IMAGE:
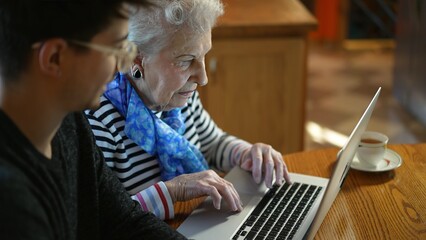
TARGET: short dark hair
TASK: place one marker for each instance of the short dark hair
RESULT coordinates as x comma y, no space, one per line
24,22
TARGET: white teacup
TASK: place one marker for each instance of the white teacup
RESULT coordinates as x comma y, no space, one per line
372,148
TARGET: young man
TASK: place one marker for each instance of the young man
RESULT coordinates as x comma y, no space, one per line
55,58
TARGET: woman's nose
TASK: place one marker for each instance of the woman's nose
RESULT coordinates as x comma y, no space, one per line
200,76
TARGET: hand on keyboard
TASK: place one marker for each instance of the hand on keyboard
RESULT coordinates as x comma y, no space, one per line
189,186
262,159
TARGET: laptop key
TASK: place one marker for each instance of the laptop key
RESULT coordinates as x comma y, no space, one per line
250,235
280,212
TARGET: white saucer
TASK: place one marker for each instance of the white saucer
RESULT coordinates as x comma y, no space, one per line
391,161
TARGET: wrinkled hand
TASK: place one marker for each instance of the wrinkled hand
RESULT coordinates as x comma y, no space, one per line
189,186
263,159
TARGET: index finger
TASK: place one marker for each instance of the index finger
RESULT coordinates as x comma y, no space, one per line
256,155
279,169
229,194
286,173
284,170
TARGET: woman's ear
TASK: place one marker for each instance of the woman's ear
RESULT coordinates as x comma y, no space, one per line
51,56
138,68
136,72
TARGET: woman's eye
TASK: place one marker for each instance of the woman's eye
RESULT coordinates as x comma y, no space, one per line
184,64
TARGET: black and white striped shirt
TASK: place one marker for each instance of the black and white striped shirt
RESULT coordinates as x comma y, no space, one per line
139,171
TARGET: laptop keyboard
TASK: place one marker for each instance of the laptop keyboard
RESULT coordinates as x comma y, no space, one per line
280,212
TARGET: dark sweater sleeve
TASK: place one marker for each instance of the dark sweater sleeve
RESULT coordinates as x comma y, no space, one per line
120,217
123,218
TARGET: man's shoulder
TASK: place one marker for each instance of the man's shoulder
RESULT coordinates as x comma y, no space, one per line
16,157
9,172
22,211
13,179
74,124
74,118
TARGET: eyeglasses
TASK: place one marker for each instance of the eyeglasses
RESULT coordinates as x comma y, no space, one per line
124,55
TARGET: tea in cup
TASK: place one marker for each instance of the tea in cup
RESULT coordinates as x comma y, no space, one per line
372,148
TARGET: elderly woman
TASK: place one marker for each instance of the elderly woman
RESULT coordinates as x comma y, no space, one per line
151,126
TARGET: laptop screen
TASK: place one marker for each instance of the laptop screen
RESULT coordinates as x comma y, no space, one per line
342,166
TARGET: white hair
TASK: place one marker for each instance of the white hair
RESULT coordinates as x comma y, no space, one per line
151,29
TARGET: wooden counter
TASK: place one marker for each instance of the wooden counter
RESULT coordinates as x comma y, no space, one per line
257,72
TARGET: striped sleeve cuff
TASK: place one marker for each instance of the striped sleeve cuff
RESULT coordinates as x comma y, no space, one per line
236,151
157,200
232,152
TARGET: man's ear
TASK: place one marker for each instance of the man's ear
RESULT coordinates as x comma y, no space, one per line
51,56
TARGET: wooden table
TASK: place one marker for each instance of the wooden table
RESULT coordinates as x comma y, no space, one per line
387,205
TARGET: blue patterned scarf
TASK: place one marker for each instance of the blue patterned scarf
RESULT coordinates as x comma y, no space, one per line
159,137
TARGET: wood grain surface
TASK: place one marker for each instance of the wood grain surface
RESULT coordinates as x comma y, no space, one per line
384,205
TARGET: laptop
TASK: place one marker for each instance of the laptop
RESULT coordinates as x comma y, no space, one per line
293,211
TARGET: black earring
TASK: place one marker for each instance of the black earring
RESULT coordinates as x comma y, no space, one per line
137,74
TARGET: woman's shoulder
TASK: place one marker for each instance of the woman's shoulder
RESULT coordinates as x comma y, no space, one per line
105,108
105,112
194,103
106,116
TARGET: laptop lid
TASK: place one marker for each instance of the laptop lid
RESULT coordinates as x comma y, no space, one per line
205,222
343,163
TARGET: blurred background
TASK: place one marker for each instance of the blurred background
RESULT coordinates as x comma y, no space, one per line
358,46
298,74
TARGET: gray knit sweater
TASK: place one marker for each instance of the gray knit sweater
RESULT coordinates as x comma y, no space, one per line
72,196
